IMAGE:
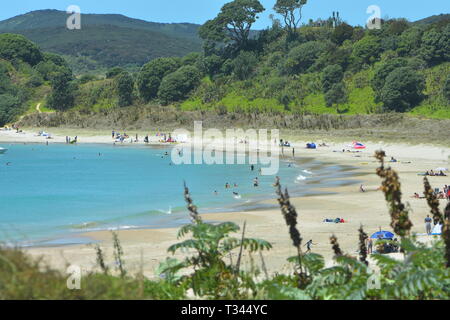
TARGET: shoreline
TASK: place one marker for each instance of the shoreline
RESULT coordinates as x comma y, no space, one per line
145,248
263,202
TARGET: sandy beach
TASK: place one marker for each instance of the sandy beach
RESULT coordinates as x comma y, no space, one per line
145,249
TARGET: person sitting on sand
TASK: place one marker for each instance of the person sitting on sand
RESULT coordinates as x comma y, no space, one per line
393,159
416,195
442,174
362,189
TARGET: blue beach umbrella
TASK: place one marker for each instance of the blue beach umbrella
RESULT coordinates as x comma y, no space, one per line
386,235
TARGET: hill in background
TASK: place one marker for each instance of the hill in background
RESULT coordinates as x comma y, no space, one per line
105,40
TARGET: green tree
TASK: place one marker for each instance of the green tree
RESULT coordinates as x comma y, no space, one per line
446,89
114,72
9,108
63,93
291,11
331,75
177,85
233,23
17,47
125,87
336,94
211,64
435,46
395,26
367,50
191,59
6,86
56,59
302,57
48,68
341,33
244,65
402,90
151,75
382,71
409,42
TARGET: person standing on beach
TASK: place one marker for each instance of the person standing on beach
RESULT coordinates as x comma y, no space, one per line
369,245
293,153
113,134
428,224
308,246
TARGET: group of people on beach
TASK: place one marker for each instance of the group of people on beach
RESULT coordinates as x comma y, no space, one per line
435,174
70,141
440,194
430,223
162,137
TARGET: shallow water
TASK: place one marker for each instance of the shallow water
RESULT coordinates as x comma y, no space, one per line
50,194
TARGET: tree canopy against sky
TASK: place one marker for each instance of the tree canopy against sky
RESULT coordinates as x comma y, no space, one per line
291,11
233,23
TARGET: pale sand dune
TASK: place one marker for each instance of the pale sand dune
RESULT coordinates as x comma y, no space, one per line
146,248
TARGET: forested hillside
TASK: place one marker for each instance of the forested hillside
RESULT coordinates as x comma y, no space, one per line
105,40
294,67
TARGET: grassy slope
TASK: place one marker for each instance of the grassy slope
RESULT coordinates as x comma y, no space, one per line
361,97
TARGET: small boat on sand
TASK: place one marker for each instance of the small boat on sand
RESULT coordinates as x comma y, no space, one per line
3,150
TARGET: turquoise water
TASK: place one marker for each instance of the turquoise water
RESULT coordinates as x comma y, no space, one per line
50,194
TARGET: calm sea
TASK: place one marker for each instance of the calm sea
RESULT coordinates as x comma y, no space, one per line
51,194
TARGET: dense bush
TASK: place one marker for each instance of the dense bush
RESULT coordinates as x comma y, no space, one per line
177,85
331,75
446,89
402,90
8,108
151,75
336,94
17,47
63,93
125,87
302,57
435,46
244,65
367,50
